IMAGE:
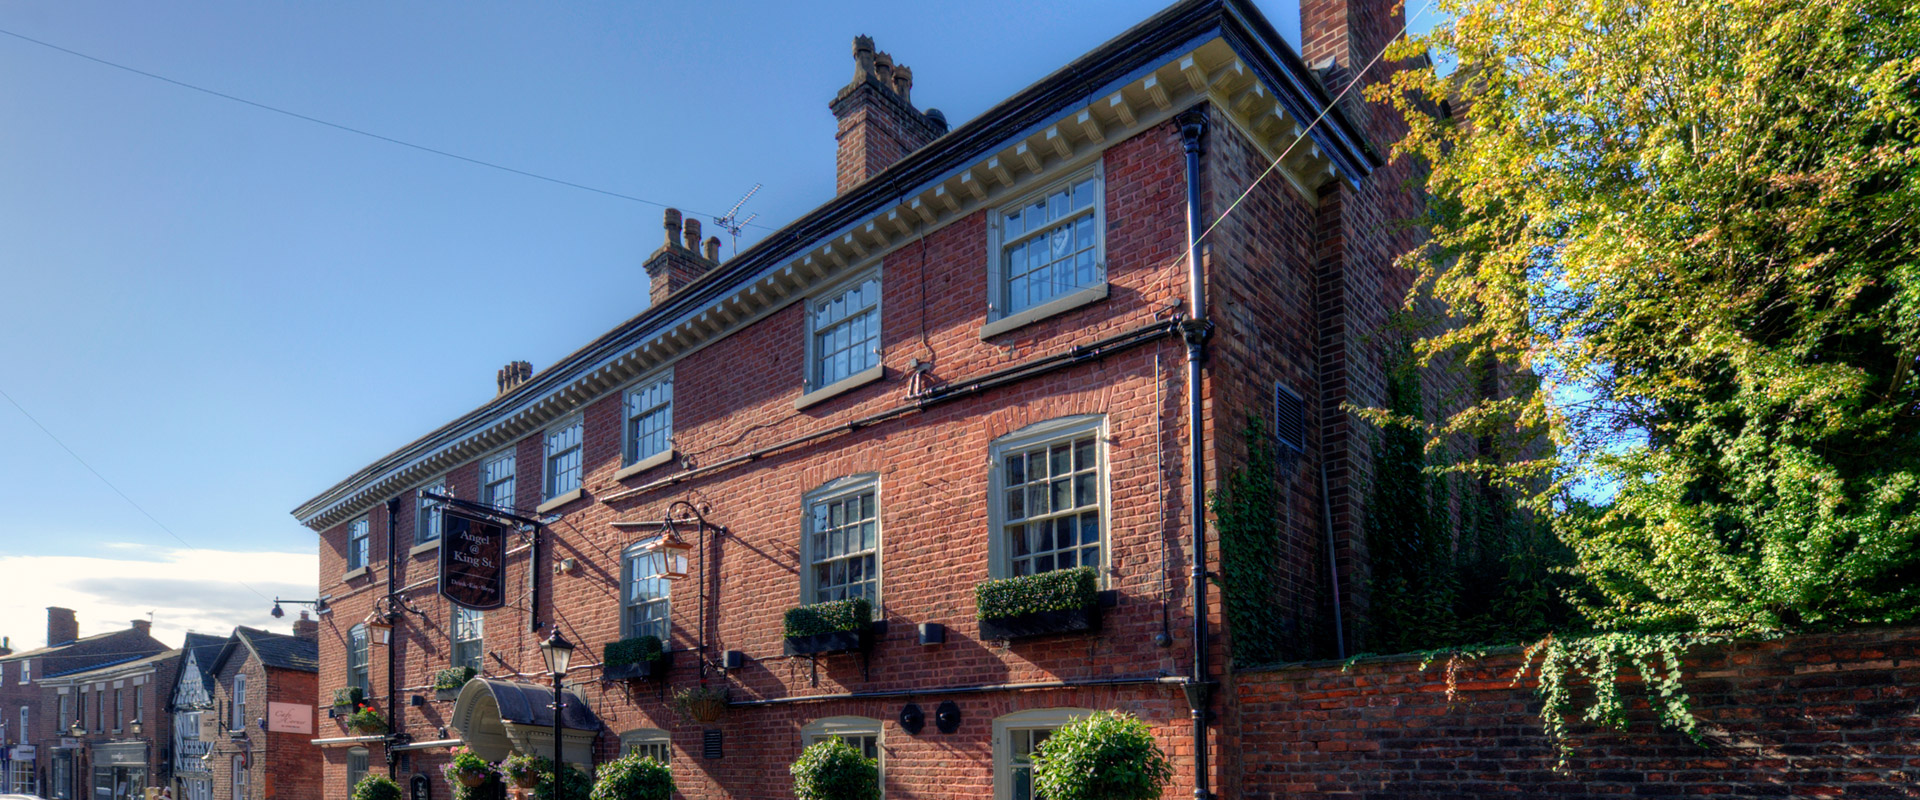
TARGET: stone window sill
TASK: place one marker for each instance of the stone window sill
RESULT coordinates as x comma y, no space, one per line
423,548
558,501
643,465
840,387
355,573
1058,305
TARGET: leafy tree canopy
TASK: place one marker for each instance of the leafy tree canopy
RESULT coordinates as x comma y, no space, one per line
1694,225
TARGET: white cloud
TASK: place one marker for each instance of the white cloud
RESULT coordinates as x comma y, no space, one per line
209,591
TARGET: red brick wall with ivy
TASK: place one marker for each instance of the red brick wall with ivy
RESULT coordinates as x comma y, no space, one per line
1829,715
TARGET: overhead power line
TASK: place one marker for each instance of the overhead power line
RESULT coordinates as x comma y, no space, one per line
347,128
116,490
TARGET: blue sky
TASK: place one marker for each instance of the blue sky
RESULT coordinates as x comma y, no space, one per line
226,310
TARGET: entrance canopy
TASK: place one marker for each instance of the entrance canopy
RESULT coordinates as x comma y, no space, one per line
499,718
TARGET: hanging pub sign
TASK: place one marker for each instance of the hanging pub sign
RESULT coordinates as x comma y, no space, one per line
473,560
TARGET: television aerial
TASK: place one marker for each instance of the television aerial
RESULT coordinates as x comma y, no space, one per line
732,221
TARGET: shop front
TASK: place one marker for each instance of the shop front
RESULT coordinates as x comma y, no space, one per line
119,771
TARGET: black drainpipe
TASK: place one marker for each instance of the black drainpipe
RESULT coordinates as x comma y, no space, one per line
1195,329
393,641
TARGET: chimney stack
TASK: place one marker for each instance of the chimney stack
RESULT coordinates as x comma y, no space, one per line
878,124
1338,37
144,626
6,648
306,628
62,626
679,261
512,375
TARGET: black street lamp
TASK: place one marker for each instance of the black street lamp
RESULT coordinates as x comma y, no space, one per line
559,653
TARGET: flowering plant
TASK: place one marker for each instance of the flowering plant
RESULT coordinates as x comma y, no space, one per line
468,766
366,720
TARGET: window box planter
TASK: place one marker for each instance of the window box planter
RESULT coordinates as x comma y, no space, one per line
448,682
840,626
1051,603
346,699
639,658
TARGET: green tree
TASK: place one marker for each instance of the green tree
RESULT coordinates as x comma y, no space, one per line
376,787
1105,756
1694,224
831,769
633,777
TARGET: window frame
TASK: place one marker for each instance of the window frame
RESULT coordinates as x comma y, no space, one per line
627,607
238,713
812,388
426,514
119,710
26,671
833,491
836,727
454,642
579,448
363,754
509,456
999,561
359,543
632,461
999,318
1033,719
647,737
242,780
360,674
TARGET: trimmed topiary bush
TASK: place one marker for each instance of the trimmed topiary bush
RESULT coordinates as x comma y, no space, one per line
376,787
1059,590
831,769
633,777
1106,756
854,614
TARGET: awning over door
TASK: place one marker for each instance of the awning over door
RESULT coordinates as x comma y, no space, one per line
499,718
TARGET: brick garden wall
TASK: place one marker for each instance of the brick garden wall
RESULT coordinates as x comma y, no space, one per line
1832,715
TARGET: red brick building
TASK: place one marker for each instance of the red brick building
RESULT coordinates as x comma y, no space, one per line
991,355
83,713
263,714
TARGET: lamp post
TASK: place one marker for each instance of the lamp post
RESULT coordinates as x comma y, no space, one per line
559,653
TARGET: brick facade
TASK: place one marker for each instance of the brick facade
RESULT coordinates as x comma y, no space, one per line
1825,715
748,449
280,765
71,664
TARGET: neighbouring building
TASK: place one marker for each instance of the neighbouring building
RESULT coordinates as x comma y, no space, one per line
192,703
114,750
997,352
39,702
262,716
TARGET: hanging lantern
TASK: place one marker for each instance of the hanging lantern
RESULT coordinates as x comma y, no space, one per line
667,557
379,628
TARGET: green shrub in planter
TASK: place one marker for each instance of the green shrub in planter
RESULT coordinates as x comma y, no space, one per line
1107,756
831,769
376,787
452,677
633,651
633,777
1059,590
576,784
855,614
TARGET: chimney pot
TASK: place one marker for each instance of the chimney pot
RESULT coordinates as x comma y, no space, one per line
713,249
693,235
306,628
673,226
877,123
512,375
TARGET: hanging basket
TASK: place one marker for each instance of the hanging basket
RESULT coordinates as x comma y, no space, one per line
472,779
527,781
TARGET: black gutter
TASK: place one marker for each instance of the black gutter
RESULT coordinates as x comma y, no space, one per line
1092,351
1179,24
983,688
